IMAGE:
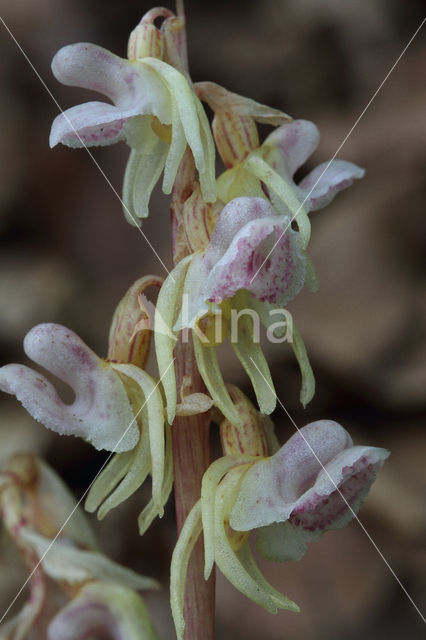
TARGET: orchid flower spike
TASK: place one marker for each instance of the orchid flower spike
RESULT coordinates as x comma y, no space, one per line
118,407
154,109
252,267
63,552
315,482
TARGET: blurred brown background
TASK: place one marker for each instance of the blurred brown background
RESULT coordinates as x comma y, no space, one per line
67,256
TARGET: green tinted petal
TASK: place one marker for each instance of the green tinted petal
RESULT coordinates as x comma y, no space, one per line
227,559
151,510
108,479
143,170
167,308
284,191
152,419
246,558
179,566
208,367
108,607
307,391
250,354
211,480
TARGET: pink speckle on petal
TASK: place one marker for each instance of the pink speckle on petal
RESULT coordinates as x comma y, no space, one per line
264,257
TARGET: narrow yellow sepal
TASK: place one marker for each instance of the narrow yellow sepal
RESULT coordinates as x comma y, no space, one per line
208,367
226,558
179,565
152,408
307,390
108,479
211,480
258,167
249,352
167,308
150,511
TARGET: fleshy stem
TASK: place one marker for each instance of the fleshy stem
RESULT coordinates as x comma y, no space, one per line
191,458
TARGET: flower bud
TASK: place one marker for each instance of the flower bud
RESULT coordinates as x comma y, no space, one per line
145,41
250,437
199,219
131,327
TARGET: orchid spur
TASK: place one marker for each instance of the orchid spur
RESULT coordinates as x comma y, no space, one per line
63,552
290,495
117,407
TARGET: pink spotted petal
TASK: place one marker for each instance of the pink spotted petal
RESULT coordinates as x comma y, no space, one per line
298,483
89,66
252,248
324,182
132,86
324,506
90,124
103,610
289,146
233,217
339,489
101,411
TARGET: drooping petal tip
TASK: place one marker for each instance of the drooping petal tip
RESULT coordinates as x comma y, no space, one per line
252,248
316,481
101,412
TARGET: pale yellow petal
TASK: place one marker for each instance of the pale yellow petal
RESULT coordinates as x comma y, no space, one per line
167,308
256,165
237,182
249,352
307,390
152,403
137,473
176,150
208,367
208,175
143,169
311,278
246,558
151,511
211,480
186,109
108,479
227,559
